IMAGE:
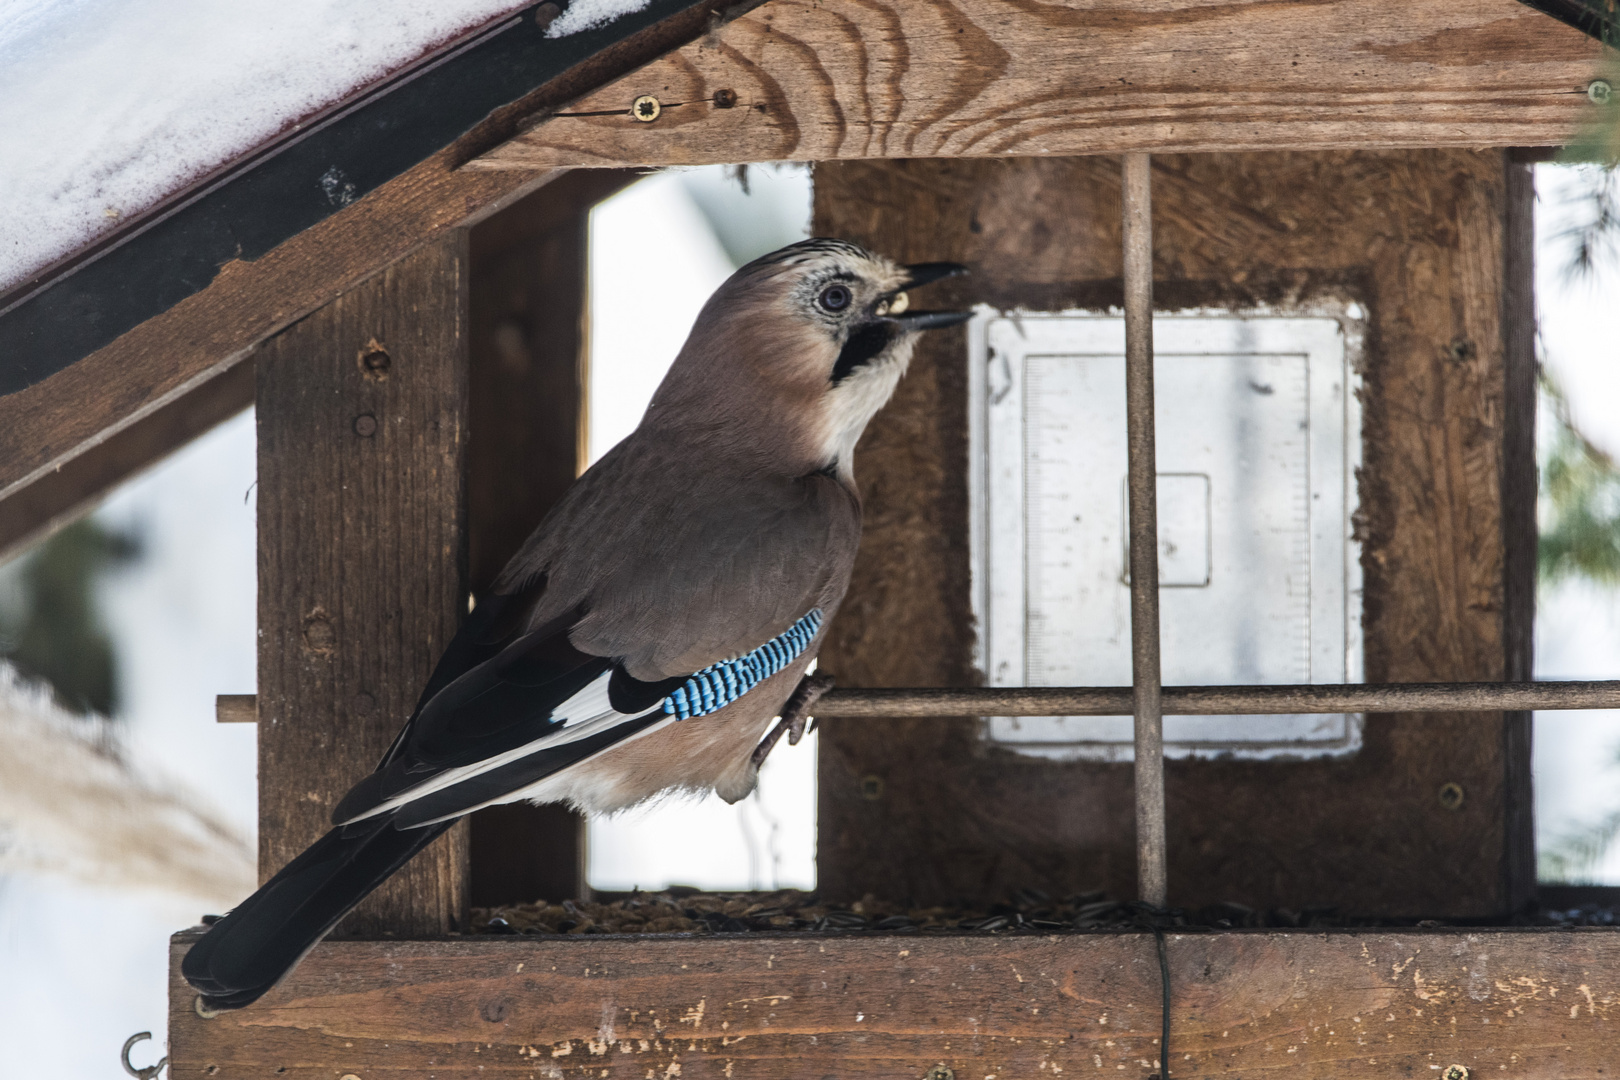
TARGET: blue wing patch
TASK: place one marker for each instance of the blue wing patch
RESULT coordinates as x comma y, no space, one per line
718,685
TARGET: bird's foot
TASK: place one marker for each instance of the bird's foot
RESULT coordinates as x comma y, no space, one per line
795,714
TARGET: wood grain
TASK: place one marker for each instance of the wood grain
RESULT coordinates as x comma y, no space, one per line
1345,1005
362,443
1417,238
818,80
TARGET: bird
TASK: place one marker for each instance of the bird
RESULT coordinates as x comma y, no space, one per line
658,619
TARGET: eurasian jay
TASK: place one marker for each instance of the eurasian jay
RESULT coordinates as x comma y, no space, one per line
659,618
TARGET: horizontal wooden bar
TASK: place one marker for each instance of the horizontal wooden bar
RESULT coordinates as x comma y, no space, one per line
236,708
1532,1004
816,80
1224,700
1184,700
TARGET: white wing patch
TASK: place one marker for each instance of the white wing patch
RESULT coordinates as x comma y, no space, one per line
586,713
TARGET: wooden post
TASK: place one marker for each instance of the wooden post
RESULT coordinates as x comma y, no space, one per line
527,402
362,442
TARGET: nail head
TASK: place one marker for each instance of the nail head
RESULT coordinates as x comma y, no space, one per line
1599,92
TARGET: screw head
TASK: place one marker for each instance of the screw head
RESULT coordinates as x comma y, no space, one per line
725,99
365,425
1455,1072
646,108
200,1007
940,1072
546,14
1599,92
1452,796
871,787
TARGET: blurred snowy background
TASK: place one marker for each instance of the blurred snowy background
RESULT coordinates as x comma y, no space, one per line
160,587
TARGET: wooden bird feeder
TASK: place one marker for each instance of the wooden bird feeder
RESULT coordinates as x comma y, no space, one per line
398,343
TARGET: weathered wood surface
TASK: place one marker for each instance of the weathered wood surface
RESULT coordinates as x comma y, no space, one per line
525,447
1527,1004
170,355
362,560
823,79
75,486
1415,237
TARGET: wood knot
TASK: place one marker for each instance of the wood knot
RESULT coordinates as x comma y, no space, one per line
320,638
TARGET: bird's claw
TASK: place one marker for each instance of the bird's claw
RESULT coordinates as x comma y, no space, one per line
795,714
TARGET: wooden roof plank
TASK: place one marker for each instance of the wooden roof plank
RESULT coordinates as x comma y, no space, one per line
63,405
827,79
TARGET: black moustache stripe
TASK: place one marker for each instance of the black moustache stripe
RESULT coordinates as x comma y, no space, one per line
863,345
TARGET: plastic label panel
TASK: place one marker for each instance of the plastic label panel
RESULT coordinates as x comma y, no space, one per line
1258,437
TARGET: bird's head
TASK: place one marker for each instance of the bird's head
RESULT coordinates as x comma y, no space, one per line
805,344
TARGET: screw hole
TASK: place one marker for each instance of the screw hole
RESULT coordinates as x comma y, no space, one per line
872,788
1452,797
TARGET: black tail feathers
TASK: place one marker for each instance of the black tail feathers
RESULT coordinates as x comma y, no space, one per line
248,951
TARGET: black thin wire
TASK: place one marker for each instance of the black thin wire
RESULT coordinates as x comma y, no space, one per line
1151,918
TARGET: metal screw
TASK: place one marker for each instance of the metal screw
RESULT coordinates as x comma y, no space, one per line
201,1008
1451,798
1599,92
646,108
1454,1072
872,787
940,1072
365,425
725,99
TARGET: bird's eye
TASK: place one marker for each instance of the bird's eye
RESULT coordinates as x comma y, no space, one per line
835,298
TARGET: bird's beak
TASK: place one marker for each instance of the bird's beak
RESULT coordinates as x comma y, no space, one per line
931,320
920,274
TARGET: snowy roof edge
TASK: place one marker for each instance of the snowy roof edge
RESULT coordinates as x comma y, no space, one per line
278,190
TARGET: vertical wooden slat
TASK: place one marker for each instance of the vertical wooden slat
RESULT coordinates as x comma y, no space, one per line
362,442
1519,519
526,403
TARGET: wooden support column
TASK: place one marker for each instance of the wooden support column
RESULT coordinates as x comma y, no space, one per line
362,541
527,444
1433,245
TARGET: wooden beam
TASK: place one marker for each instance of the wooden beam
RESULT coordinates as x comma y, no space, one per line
816,80
526,445
1345,1004
77,485
362,557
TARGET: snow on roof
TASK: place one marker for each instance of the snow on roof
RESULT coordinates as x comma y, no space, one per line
108,106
